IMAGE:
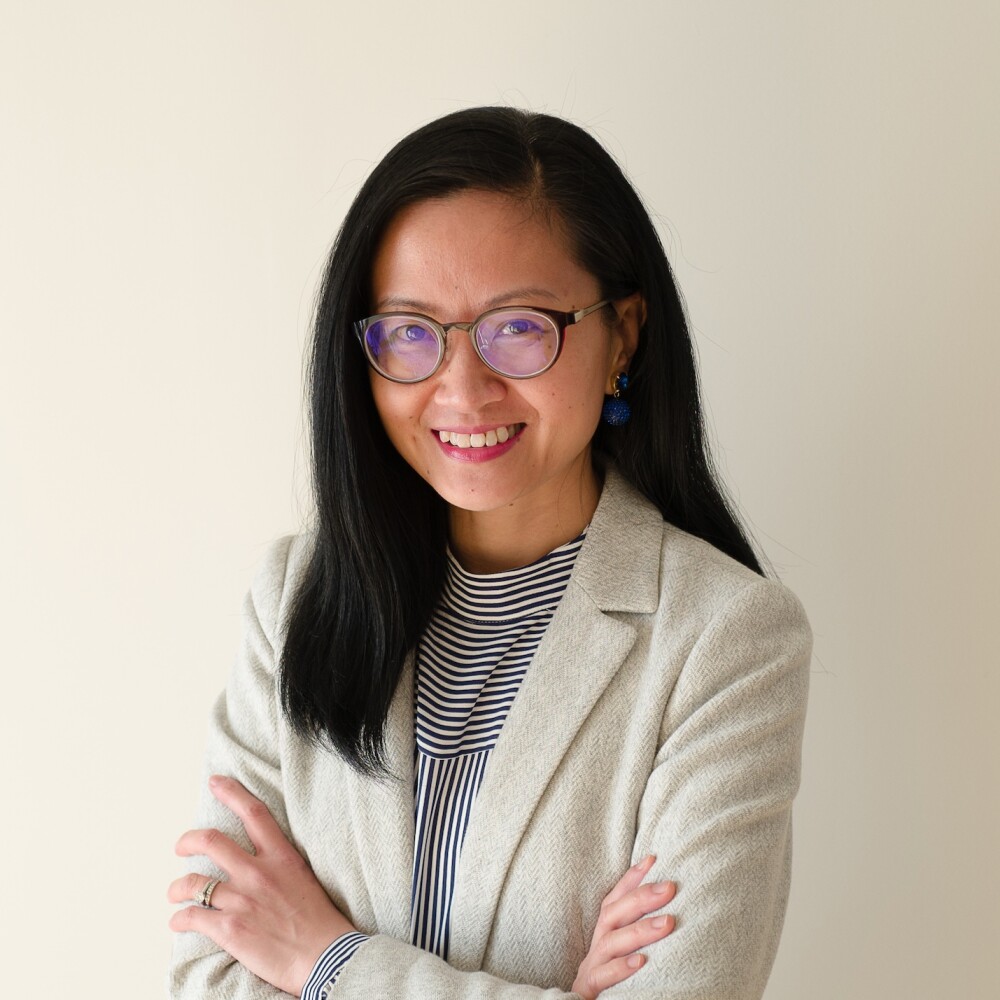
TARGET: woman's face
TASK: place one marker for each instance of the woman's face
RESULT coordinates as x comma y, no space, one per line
452,259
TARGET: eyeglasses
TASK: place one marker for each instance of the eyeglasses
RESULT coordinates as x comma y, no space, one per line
513,341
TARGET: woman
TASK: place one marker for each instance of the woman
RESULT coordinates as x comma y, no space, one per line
527,647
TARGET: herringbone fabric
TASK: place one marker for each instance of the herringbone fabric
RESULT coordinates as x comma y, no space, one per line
662,714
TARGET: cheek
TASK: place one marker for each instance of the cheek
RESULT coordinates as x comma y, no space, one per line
398,408
386,401
582,394
572,411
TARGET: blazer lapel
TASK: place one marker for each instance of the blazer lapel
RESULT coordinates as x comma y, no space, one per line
384,811
617,569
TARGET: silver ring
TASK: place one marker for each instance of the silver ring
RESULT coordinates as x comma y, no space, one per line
204,898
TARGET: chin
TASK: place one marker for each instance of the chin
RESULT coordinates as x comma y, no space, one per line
471,499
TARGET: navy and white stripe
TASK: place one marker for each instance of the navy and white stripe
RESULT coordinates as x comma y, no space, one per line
326,970
470,664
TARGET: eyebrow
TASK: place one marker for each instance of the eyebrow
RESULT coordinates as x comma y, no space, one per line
514,297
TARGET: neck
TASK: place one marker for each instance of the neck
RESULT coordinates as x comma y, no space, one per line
496,540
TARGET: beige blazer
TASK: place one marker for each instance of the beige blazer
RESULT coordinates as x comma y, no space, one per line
662,714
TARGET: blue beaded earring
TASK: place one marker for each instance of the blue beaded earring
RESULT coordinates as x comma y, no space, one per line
616,410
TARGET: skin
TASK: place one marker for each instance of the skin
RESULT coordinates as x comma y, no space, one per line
272,915
453,258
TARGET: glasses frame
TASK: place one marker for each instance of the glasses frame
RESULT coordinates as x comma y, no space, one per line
562,320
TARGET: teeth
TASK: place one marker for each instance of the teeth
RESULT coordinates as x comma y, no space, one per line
487,440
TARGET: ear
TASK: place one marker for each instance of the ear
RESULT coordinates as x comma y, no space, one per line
625,339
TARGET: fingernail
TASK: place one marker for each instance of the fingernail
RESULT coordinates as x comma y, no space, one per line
635,961
660,922
662,887
215,781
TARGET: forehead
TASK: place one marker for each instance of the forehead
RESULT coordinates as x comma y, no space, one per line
473,249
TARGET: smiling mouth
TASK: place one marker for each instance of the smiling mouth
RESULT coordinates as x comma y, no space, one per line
487,439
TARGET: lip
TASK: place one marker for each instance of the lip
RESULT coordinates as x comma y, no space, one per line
484,454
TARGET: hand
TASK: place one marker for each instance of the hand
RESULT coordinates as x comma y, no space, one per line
270,914
620,930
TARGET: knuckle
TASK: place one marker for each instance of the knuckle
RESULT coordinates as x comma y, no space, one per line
290,858
256,810
640,930
264,882
231,926
650,899
258,882
184,919
210,839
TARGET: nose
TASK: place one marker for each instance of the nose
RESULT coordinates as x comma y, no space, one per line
463,382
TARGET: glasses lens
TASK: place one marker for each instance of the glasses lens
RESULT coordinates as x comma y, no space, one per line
518,342
403,347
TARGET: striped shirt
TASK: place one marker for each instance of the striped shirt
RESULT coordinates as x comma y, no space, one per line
470,664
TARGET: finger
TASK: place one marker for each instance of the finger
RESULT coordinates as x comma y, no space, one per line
261,828
196,918
607,974
622,942
214,844
631,878
186,888
635,904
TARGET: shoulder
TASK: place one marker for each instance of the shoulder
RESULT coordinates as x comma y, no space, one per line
742,637
708,630
276,581
696,576
640,563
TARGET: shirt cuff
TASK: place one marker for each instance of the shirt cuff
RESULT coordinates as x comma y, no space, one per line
329,964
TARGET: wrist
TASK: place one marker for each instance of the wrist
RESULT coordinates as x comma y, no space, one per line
329,965
321,939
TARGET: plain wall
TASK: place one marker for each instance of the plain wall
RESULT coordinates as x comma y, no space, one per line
824,176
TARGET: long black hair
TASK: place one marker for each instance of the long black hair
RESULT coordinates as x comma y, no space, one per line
378,560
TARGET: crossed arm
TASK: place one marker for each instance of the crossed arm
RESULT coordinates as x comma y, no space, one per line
272,915
716,810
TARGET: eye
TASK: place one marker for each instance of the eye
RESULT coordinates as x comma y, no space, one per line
408,335
517,327
411,332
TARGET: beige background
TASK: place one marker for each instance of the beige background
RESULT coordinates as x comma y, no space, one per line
825,177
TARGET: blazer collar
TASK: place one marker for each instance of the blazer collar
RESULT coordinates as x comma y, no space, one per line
619,564
617,570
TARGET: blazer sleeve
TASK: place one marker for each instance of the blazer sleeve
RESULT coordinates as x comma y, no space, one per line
716,811
244,743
